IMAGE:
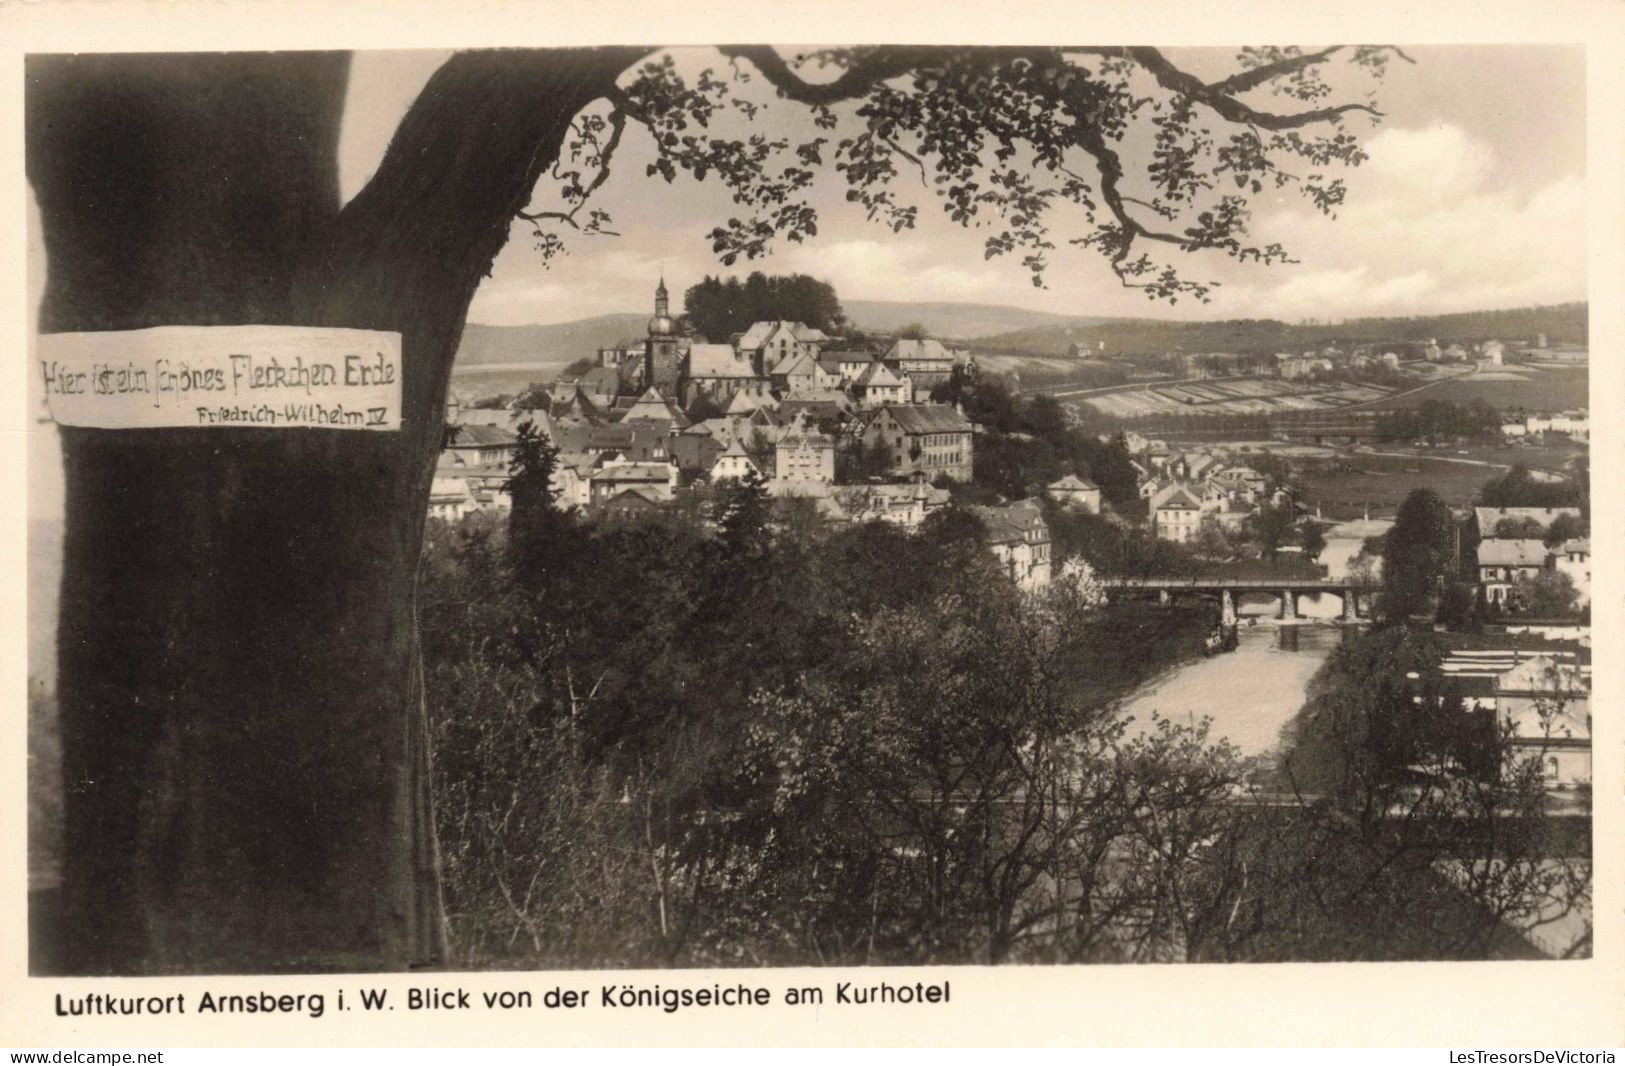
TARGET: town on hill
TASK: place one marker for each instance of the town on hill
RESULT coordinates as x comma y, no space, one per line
1406,521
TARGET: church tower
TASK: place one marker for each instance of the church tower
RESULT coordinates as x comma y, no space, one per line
662,359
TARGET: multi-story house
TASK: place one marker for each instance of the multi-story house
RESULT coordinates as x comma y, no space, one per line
804,454
879,385
1503,562
928,439
928,363
1177,516
767,344
1019,538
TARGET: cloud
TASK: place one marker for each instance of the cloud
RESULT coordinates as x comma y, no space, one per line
1427,227
1432,223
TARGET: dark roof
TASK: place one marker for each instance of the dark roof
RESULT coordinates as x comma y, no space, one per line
1011,523
694,451
637,440
482,436
928,418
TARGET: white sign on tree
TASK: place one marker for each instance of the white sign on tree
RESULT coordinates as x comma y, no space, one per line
260,377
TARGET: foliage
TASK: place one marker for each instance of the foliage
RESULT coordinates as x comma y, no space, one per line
1418,553
1272,528
1517,488
1002,136
1312,538
856,461
1548,594
1428,828
719,309
1436,420
1564,528
1519,529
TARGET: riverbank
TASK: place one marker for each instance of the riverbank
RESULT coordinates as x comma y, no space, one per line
1250,693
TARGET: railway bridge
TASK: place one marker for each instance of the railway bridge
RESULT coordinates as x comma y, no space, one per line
1355,595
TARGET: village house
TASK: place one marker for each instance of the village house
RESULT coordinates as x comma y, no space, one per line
767,344
1248,483
906,506
848,366
1075,492
655,410
795,374
1177,516
1489,519
635,441
879,385
804,454
1019,538
733,462
929,439
654,481
1573,557
481,445
717,371
1503,562
926,362
1547,705
572,479
450,499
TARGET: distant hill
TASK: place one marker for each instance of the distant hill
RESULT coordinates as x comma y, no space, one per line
1017,331
560,343
1562,324
957,321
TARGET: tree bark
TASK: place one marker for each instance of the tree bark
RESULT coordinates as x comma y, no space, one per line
245,758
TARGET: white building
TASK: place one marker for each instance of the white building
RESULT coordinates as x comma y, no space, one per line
1075,492
1177,516
734,462
1548,706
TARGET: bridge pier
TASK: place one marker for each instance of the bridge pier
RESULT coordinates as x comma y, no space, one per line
1227,608
1289,604
1351,605
1163,597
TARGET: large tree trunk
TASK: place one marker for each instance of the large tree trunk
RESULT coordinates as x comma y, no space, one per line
241,700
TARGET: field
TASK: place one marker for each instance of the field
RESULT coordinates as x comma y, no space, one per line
1537,389
1239,396
1348,484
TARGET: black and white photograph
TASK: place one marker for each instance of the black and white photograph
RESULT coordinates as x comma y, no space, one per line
716,507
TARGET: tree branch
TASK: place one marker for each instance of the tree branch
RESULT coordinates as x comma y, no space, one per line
874,67
1252,79
606,152
1228,107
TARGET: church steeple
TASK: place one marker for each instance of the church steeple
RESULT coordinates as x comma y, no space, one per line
661,325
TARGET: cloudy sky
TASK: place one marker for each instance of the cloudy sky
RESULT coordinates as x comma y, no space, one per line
1473,197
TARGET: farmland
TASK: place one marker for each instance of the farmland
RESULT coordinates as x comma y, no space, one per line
1236,396
1537,389
1346,485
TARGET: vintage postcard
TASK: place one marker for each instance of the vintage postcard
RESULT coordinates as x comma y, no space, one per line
772,527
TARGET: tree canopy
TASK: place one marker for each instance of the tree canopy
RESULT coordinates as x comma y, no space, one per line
1418,553
1002,137
719,309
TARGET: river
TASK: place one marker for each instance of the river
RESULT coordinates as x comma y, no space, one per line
1250,693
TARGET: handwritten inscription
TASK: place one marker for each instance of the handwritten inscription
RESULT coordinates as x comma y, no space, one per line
268,377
